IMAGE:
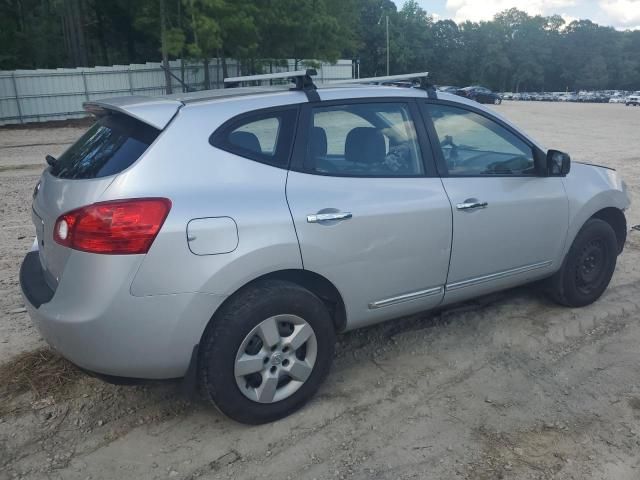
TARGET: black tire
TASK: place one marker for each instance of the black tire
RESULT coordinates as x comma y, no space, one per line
229,327
588,267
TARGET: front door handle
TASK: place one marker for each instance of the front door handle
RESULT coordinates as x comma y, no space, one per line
326,217
471,205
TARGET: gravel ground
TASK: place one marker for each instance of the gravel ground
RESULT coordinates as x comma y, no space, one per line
508,386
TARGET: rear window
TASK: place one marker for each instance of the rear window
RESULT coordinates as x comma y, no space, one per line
112,144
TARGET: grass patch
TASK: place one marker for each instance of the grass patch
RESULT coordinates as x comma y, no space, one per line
42,371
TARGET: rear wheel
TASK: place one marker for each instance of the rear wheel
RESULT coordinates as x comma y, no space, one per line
266,352
497,101
588,267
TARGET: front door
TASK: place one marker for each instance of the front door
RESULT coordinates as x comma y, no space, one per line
368,215
509,223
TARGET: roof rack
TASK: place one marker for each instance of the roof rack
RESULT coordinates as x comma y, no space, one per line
301,78
419,80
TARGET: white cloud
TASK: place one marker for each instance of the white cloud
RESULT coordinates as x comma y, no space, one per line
476,10
623,13
568,18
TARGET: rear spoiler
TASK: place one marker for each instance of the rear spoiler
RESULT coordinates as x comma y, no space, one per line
156,112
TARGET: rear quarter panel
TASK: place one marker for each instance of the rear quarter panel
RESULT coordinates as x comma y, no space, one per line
202,181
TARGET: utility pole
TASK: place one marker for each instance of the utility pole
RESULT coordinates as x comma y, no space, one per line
387,17
165,55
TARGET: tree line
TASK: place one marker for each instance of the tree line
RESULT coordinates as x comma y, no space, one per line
513,52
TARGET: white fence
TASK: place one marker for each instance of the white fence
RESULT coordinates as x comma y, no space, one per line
40,95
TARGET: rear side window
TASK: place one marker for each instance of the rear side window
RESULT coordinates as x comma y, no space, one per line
112,144
263,136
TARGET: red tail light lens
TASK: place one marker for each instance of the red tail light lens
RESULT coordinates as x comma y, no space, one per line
118,227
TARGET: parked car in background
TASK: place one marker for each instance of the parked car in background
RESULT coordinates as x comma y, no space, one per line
633,99
297,214
480,95
570,97
448,89
583,96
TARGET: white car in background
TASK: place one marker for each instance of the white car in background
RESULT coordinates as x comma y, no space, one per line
633,99
618,99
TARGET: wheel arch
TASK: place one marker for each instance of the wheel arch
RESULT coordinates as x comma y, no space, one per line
315,283
614,217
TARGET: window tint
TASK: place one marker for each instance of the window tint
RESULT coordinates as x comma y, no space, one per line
377,139
259,136
112,144
262,136
337,124
475,145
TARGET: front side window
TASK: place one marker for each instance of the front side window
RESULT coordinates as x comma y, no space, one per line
473,145
262,136
369,140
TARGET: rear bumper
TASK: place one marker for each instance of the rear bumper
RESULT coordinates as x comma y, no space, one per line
34,288
93,320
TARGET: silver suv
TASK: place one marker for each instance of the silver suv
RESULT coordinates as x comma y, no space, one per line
227,236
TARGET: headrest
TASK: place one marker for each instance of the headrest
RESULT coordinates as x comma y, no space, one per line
318,143
365,145
246,140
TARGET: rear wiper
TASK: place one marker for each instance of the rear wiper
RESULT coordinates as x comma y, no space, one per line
51,160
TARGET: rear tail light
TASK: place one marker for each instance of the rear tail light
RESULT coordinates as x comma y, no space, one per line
116,227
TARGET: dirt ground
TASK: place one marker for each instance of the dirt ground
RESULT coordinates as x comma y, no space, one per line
509,386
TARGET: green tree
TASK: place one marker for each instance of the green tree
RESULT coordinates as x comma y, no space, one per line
301,29
413,49
514,51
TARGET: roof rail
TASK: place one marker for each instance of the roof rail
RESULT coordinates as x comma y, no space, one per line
419,80
301,78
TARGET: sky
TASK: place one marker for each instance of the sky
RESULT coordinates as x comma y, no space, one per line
621,14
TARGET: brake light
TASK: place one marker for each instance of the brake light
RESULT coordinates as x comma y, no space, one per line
115,227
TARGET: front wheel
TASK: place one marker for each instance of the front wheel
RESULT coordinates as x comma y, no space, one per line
588,266
267,351
497,101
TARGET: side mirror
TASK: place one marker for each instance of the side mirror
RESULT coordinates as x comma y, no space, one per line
558,163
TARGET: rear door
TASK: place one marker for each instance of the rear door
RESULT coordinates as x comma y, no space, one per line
509,222
370,214
80,176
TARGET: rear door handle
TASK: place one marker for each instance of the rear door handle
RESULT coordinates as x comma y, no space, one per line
471,205
326,217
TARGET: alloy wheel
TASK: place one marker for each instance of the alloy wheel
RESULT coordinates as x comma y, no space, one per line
275,358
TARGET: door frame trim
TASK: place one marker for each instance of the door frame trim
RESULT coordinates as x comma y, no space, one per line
497,276
407,297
